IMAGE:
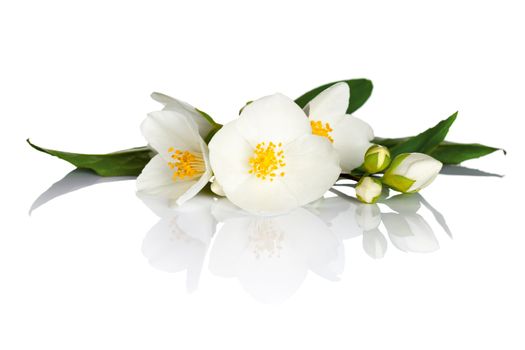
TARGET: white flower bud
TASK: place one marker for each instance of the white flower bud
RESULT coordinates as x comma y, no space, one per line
217,188
410,172
377,159
368,189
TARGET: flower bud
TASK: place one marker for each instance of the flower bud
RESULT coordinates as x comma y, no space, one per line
368,189
410,172
217,188
377,159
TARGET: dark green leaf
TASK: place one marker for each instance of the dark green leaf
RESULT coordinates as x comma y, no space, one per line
427,141
360,91
447,152
128,162
455,153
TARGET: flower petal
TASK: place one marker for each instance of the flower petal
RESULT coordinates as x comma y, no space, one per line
312,167
181,107
263,197
166,129
352,138
330,103
156,179
229,157
203,180
273,118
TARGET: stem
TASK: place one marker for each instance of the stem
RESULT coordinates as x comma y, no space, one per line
350,177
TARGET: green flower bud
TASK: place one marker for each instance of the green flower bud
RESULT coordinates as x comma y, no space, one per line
377,159
368,189
410,172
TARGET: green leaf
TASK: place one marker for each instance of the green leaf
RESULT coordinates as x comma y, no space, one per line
455,153
447,152
427,141
360,91
128,162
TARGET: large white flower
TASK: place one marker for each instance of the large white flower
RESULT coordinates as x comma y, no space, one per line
181,167
350,136
268,161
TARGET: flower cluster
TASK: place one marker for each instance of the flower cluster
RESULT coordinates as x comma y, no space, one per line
274,157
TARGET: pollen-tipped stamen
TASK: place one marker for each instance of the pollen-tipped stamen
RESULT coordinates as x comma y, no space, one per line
321,130
266,160
186,164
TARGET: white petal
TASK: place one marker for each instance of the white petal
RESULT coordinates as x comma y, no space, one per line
312,167
352,138
165,129
202,181
273,118
330,103
229,157
263,197
172,104
195,188
156,179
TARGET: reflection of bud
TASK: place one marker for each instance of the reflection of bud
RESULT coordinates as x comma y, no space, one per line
374,243
410,233
368,189
368,217
410,172
377,159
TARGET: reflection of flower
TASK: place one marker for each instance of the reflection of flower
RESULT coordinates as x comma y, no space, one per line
271,256
339,214
179,241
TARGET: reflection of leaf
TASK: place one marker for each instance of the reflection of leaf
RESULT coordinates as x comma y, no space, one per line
464,171
360,91
437,215
75,180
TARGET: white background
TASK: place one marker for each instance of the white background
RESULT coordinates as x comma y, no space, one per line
77,76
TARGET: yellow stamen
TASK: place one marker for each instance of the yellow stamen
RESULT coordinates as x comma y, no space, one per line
320,130
186,164
266,160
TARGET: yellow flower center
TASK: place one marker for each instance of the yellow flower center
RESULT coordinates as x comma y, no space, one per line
267,161
186,164
320,130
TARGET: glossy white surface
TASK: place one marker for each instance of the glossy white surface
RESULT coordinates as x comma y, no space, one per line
97,268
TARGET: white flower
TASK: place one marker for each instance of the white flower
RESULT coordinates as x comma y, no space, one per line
411,172
181,167
368,189
267,161
350,136
203,121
